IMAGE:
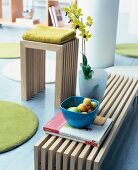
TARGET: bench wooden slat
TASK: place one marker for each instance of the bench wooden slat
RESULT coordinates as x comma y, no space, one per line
110,79
37,151
114,130
59,154
67,153
109,87
82,157
74,156
119,98
52,153
113,97
44,152
91,157
111,92
124,100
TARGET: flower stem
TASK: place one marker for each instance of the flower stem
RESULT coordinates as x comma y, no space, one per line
84,48
82,45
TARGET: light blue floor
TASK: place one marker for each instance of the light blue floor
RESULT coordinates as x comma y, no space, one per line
22,157
123,154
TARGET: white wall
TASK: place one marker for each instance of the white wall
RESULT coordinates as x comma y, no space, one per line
100,48
127,31
124,6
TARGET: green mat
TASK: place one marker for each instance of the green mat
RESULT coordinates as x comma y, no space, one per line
17,125
9,50
130,50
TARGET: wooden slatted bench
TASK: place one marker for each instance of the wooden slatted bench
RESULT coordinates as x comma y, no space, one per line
53,152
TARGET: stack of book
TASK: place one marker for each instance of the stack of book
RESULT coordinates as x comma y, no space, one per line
56,16
92,135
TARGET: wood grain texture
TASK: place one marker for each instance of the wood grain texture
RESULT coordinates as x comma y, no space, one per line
74,156
83,156
44,152
66,155
37,151
52,153
59,154
32,71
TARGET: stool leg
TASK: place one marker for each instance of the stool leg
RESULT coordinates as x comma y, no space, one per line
32,71
66,71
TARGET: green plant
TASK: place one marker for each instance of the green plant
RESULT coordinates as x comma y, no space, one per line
75,18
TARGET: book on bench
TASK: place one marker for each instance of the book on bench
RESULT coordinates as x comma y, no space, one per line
93,134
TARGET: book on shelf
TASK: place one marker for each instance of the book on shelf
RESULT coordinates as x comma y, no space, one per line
57,15
52,17
92,135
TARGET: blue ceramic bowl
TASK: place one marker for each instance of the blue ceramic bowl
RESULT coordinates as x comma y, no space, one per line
76,119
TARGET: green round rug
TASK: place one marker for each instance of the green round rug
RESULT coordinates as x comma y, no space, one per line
130,50
9,50
17,125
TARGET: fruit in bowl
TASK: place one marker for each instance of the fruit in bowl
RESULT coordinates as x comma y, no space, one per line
73,109
79,112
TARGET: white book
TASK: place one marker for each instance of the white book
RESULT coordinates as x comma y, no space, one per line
52,17
93,134
57,16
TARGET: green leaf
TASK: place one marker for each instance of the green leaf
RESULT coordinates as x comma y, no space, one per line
84,59
87,71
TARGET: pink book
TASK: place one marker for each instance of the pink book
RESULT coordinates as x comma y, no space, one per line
93,134
55,124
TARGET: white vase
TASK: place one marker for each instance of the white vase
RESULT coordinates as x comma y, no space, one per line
94,87
100,49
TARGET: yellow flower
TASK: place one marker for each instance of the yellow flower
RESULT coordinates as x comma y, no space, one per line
77,24
85,34
79,12
89,21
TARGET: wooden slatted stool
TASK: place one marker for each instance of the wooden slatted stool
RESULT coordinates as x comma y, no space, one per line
33,66
66,154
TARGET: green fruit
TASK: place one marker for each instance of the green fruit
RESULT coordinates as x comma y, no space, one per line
94,104
74,109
